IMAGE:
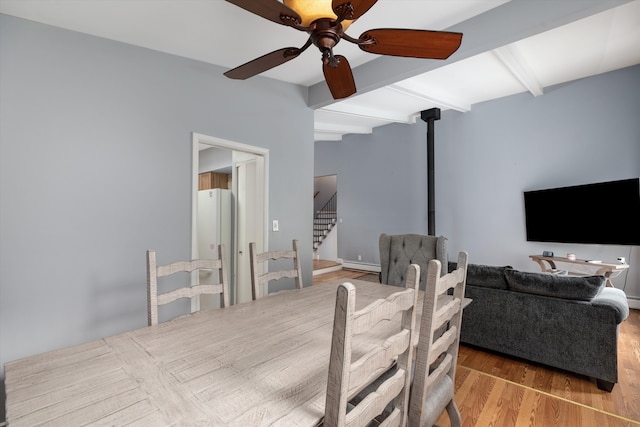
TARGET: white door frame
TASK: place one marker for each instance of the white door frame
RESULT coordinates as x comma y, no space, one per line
198,139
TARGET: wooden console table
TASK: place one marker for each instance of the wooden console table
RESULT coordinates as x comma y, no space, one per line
603,268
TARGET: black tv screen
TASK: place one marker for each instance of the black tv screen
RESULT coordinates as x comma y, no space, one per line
605,213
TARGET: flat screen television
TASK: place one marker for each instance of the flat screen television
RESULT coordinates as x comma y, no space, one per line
605,213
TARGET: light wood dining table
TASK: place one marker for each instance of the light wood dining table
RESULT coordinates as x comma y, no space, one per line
259,363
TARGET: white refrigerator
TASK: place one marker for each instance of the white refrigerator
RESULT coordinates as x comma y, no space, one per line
215,227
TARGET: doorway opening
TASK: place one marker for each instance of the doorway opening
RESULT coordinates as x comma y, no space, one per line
248,167
325,225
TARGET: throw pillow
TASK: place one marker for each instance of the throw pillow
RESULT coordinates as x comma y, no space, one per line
582,288
487,276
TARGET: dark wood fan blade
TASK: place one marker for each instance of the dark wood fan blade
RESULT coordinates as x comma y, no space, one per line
264,63
360,7
340,78
412,43
268,9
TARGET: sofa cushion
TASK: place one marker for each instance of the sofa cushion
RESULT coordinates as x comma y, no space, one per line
582,288
487,276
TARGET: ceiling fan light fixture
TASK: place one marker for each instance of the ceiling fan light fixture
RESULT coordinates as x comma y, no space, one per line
325,21
311,10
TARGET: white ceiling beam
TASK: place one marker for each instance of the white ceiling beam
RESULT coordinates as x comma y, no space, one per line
323,136
340,128
442,103
386,116
511,58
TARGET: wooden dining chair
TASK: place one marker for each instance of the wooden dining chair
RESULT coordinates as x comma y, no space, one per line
201,266
349,377
437,353
260,280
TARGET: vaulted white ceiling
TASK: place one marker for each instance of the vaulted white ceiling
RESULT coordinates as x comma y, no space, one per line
509,46
598,43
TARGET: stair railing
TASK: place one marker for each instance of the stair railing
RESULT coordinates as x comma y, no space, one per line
326,216
330,206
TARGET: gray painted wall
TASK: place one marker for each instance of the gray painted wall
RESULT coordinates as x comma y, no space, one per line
576,133
95,168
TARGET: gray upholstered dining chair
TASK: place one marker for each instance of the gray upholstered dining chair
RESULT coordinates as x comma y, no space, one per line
204,268
260,280
437,353
398,251
385,346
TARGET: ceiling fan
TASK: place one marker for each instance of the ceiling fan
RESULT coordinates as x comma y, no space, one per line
326,22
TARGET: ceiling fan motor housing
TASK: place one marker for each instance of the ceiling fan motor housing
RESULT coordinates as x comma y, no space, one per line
326,33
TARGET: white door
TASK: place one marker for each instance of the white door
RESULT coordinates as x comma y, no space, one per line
249,220
214,228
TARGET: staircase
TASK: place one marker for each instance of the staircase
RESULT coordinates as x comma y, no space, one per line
323,221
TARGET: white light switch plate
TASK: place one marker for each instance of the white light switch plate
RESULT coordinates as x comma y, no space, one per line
275,227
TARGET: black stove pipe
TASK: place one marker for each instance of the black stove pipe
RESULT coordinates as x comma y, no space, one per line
430,116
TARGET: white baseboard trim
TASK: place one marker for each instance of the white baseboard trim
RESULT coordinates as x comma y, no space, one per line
361,266
634,303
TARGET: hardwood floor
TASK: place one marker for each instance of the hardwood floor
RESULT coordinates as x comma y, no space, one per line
319,264
501,391
343,274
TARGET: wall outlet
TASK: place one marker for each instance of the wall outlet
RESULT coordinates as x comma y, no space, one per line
359,257
275,226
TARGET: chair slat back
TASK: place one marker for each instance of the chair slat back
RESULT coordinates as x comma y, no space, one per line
437,352
154,271
260,280
348,377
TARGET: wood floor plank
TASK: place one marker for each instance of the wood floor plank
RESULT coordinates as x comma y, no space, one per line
495,400
512,396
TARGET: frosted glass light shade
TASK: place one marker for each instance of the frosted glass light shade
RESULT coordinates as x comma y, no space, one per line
310,10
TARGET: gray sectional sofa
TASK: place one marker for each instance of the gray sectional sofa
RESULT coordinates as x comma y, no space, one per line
566,322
